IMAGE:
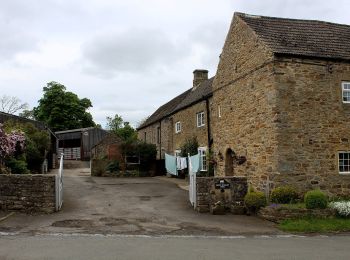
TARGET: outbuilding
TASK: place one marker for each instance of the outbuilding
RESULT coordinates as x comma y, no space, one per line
76,144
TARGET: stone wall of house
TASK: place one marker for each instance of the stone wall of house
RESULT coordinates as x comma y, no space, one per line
165,144
27,193
285,115
231,199
242,53
188,119
245,94
313,124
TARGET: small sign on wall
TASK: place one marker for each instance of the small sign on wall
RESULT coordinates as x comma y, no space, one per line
222,185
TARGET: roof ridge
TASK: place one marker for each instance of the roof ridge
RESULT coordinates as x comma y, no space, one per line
240,14
174,104
306,38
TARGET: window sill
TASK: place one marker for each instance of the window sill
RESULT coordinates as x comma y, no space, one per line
344,173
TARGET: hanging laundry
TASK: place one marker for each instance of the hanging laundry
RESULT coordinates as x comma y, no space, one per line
181,163
194,162
170,164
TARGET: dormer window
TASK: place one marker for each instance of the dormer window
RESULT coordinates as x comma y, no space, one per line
346,92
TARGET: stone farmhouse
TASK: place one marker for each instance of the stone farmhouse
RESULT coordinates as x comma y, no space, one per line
280,100
183,117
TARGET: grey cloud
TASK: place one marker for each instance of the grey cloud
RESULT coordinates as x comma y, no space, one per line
131,51
12,43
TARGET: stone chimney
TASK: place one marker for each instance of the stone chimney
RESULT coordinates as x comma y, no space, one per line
199,76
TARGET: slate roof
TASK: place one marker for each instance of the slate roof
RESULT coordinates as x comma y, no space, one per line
185,99
5,117
197,94
308,38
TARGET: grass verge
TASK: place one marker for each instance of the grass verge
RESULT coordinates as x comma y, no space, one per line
320,225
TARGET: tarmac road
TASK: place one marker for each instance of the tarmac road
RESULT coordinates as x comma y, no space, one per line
143,247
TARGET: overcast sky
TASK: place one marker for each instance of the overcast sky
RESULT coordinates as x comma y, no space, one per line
127,56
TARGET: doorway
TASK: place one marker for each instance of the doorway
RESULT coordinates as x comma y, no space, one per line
230,154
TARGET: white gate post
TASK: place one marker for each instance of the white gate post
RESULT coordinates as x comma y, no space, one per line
192,189
59,185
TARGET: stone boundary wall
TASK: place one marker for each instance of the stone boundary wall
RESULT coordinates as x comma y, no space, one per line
278,214
217,201
27,193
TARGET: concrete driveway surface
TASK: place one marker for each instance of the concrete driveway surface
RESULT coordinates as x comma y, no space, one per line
134,206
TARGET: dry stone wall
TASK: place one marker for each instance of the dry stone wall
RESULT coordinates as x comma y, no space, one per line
231,198
27,193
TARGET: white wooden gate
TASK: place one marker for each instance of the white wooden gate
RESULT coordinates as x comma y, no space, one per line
192,188
59,185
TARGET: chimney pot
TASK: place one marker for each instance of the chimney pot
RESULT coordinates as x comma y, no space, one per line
199,76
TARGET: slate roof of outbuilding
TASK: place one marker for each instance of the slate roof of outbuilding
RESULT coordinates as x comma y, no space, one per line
185,99
6,117
308,38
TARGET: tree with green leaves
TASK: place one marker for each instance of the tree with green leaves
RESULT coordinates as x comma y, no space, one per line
63,110
122,129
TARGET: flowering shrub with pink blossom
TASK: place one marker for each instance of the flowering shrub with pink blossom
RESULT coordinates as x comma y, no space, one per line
10,143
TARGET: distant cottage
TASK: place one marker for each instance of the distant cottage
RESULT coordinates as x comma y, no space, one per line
183,117
280,100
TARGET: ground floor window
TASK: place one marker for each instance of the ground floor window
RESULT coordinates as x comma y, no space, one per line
203,158
177,153
344,162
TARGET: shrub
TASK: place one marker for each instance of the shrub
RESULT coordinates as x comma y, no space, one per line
284,195
341,207
315,199
37,142
190,146
254,201
113,166
17,166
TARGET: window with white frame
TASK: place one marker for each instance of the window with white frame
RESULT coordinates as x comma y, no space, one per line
200,119
345,92
177,153
178,127
202,158
344,162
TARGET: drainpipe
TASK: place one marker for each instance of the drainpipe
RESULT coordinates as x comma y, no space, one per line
208,121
